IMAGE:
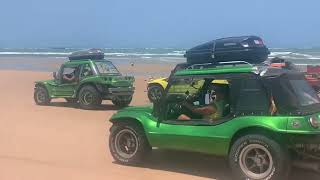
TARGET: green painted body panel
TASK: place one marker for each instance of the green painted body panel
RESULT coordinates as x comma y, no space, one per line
304,125
70,90
78,62
217,70
214,139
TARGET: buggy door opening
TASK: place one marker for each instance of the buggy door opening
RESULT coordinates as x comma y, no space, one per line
203,100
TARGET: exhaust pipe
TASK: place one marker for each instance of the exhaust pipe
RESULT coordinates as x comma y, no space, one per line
308,165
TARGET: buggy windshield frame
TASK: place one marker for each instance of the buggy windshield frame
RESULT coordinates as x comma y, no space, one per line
106,67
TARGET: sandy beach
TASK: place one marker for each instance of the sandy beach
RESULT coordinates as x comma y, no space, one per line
62,142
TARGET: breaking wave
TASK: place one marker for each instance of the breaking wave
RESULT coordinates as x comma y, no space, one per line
294,55
299,56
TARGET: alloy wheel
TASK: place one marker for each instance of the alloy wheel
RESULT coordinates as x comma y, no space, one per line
87,98
256,161
126,143
155,93
41,96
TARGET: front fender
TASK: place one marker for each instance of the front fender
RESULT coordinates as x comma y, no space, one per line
142,117
270,123
163,82
145,119
47,84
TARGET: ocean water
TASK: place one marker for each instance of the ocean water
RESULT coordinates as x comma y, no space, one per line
143,55
165,55
40,57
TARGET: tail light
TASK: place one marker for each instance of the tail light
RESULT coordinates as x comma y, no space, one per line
314,122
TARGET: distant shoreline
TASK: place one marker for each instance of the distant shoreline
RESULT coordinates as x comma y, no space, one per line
49,59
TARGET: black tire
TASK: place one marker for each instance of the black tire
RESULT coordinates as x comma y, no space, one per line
155,92
258,157
121,152
71,100
41,96
89,97
122,102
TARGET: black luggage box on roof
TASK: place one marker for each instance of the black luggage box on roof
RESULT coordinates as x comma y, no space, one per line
243,48
93,54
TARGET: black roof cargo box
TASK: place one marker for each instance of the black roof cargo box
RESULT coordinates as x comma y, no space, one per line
93,54
243,48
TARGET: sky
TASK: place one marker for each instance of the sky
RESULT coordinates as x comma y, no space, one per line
156,23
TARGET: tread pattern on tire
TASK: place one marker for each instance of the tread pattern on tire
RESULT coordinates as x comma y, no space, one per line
96,94
154,86
122,103
143,144
280,156
41,88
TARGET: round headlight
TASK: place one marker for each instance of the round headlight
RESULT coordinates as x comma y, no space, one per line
314,122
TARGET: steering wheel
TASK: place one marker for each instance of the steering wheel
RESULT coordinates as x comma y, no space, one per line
178,108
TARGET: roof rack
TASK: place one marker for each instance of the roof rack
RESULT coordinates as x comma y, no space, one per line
213,65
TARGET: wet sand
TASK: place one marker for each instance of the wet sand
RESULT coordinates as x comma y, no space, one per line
62,142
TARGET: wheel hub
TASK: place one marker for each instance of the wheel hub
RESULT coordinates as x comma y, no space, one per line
87,98
126,143
155,93
256,161
41,96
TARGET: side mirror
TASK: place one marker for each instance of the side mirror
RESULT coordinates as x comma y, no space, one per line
54,74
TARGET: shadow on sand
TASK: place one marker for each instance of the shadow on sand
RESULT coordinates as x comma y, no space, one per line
102,107
203,165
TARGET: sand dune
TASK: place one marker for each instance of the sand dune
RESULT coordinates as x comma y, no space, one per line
63,142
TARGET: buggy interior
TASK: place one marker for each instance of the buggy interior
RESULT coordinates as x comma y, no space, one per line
198,92
70,74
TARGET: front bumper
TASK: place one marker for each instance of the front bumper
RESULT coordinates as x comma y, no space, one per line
306,146
119,92
306,149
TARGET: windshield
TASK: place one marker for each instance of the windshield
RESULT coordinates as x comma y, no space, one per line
106,67
304,92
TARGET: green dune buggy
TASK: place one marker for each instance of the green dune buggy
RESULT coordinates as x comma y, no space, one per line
86,79
271,121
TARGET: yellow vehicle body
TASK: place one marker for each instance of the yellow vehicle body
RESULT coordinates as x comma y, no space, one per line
156,87
163,82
